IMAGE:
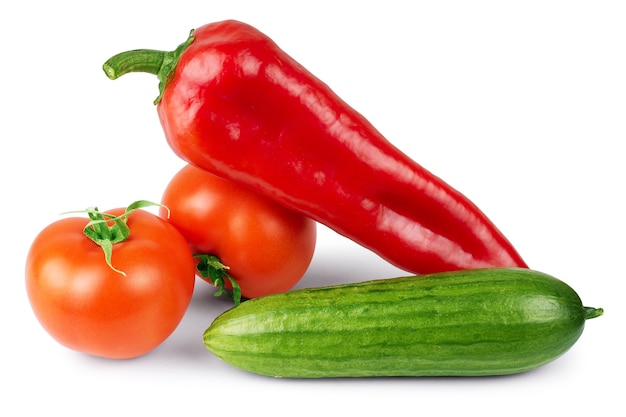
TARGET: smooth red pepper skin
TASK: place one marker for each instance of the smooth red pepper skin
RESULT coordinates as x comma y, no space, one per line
240,107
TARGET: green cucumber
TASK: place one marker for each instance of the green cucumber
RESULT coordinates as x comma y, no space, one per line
461,323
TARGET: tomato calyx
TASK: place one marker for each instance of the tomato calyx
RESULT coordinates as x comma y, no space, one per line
210,267
105,229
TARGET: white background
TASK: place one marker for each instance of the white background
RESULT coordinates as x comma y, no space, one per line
520,105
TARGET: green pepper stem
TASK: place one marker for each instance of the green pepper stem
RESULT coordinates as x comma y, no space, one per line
138,60
159,63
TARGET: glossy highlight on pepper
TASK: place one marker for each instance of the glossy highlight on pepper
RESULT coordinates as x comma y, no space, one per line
233,103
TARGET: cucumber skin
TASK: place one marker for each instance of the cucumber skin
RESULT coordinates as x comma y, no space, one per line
462,323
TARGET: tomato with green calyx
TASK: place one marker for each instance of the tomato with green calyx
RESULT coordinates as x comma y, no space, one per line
114,286
238,235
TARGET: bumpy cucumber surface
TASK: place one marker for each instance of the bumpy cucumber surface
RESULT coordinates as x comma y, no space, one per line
462,323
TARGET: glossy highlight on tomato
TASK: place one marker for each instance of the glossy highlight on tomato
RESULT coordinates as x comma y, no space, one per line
120,311
267,247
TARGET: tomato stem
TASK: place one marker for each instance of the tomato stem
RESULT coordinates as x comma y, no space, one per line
105,230
159,63
210,267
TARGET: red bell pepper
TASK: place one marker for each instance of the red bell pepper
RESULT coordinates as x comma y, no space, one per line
233,103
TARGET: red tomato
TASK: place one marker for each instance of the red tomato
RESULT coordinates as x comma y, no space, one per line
267,247
87,306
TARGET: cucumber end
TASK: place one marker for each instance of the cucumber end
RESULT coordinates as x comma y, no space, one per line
592,313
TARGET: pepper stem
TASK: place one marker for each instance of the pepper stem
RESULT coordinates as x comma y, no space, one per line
159,63
138,60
